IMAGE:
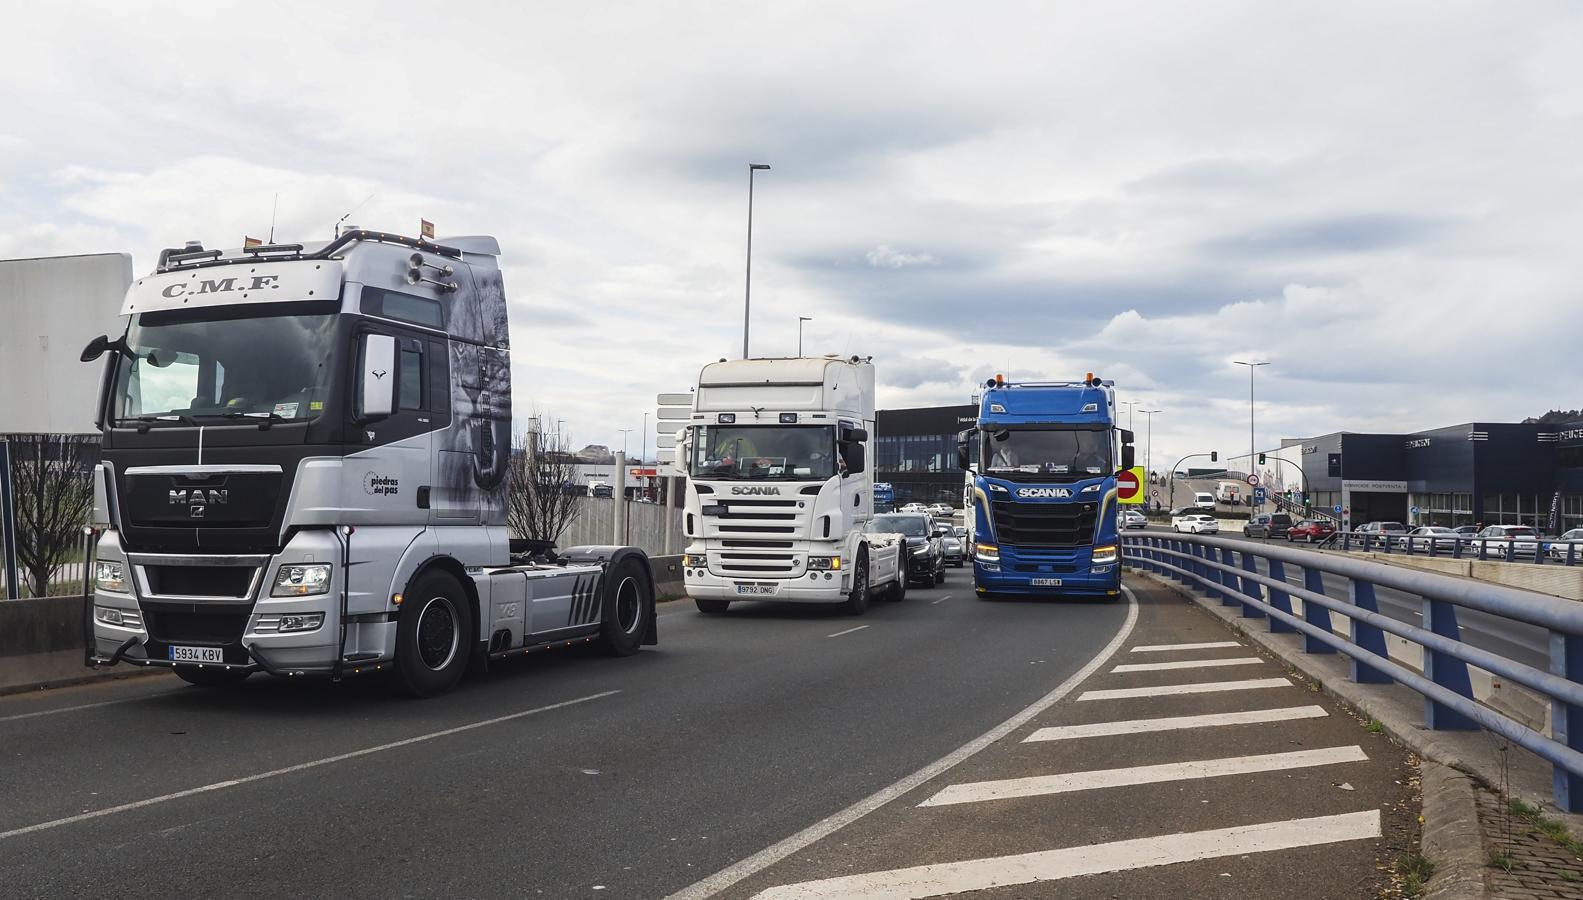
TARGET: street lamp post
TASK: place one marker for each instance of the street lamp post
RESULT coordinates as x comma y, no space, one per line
1253,447
645,453
1148,447
624,433
800,320
1129,404
747,291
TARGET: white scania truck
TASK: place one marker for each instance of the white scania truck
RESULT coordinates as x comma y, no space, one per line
304,472
780,486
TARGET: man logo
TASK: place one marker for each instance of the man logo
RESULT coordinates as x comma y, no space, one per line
198,500
1044,493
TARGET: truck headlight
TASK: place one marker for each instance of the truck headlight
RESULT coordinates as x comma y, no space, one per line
1104,554
824,563
110,576
1092,489
301,581
987,552
690,560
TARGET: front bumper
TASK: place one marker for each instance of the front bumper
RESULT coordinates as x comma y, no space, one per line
812,587
1016,570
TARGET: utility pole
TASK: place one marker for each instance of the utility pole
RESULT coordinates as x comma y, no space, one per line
1148,448
747,292
1253,447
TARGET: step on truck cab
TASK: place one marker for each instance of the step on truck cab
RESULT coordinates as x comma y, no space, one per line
304,472
1043,494
780,486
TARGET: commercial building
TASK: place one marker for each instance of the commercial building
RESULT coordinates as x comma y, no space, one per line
1479,472
915,450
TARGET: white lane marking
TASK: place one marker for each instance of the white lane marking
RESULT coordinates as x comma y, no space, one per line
774,853
1072,862
1186,664
1197,687
82,706
1175,723
941,600
312,764
1158,648
1041,785
848,631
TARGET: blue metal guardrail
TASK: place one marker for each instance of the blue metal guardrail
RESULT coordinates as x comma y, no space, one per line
1536,550
1228,569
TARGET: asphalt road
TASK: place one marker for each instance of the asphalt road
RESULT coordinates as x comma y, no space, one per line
560,776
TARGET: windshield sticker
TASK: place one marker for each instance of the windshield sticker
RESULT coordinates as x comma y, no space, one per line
315,405
286,410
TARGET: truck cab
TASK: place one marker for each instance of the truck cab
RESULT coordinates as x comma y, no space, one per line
1043,507
304,472
780,486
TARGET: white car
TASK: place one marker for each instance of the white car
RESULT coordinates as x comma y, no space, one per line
914,508
1508,541
1196,523
942,511
1131,518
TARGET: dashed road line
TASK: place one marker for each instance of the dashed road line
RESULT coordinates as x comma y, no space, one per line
81,706
941,600
1197,687
1096,859
1186,664
1160,648
1094,779
1175,723
312,764
848,631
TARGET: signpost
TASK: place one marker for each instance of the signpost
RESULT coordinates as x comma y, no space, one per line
1129,486
674,411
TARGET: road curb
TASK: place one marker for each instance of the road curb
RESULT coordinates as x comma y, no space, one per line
1450,807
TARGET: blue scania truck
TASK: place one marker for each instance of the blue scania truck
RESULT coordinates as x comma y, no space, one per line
1042,496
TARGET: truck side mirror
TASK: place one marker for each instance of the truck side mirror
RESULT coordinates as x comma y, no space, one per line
95,348
1126,436
963,457
852,453
377,378
1129,457
855,434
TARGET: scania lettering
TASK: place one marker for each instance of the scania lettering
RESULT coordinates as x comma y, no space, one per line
304,473
779,488
1042,504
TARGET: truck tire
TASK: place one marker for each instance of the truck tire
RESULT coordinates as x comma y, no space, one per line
712,607
434,636
212,678
939,574
898,588
857,600
625,610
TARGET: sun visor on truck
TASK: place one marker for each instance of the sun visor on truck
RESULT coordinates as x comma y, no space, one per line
247,282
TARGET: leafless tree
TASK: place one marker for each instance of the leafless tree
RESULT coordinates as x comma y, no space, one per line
544,489
53,489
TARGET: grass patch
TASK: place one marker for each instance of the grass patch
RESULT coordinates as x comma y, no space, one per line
1499,860
1374,726
1550,828
1415,869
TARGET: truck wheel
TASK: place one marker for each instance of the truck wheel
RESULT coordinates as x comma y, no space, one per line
212,678
712,607
433,636
898,588
939,574
625,610
857,601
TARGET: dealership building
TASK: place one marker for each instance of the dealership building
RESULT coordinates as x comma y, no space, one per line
1480,472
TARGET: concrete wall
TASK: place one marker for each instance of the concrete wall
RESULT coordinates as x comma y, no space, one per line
41,642
594,523
1556,580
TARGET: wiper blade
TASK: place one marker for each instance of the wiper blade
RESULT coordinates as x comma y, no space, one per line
269,418
144,423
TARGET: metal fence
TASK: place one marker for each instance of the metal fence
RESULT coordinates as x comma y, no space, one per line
1539,551
65,578
1228,570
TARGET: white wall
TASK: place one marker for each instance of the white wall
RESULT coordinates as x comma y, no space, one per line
49,308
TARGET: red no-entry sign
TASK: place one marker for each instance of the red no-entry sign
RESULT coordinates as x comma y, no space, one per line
1129,486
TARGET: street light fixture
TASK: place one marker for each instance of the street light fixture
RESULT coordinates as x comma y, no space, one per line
800,320
747,291
1129,404
1253,448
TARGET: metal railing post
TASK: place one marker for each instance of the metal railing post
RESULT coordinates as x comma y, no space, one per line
1367,636
1279,598
1251,588
1227,580
1207,576
1566,660
1187,564
1445,670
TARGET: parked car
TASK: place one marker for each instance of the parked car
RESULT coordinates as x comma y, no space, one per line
1375,534
925,546
1424,538
1509,541
1131,518
1202,500
942,511
1558,548
1310,531
914,508
1268,525
1467,531
1196,523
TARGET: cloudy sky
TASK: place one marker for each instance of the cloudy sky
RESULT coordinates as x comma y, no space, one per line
1381,199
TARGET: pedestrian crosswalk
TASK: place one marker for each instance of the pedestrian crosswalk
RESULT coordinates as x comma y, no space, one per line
1237,710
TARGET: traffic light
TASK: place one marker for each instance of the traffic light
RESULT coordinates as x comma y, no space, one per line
1261,459
1214,456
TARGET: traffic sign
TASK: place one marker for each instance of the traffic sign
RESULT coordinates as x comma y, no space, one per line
1129,485
1337,509
1414,510
1253,480
1258,495
1156,493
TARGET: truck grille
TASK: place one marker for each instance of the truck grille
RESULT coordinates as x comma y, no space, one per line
1045,524
199,628
199,581
755,558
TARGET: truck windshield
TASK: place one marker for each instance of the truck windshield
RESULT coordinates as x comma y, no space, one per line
1064,453
241,362
775,452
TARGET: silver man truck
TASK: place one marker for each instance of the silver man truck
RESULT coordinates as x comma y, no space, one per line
304,472
780,487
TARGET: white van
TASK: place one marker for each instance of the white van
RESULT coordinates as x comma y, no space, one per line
1203,500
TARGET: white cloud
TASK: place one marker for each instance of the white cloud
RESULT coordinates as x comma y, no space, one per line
886,257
